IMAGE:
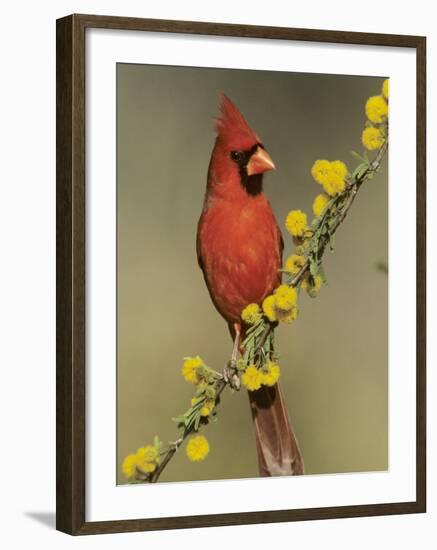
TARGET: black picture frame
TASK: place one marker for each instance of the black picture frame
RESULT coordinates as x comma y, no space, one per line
71,280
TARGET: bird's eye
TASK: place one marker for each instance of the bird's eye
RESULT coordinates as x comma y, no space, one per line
237,156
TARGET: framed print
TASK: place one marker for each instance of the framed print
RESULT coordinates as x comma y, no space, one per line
240,274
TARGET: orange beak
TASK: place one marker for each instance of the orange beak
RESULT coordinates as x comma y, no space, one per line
259,163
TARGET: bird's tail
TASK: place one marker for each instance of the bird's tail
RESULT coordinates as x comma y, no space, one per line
277,447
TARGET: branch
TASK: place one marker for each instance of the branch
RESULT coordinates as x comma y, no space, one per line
257,337
347,198
174,446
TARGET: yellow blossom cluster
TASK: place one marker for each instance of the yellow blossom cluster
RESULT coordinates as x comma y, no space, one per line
281,305
270,373
197,448
312,285
377,109
195,371
294,263
190,369
373,137
296,223
253,378
207,398
331,175
319,204
144,461
251,314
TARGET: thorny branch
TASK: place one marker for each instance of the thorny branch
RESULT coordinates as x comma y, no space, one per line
345,199
174,446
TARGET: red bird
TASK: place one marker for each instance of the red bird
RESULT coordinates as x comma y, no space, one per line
239,247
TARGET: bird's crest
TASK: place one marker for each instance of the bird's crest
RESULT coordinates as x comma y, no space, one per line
232,127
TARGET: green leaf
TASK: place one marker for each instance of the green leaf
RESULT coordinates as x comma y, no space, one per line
315,223
197,423
241,365
357,156
322,274
314,244
332,241
359,171
314,268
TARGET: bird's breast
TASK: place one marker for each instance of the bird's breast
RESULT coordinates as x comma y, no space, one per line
240,254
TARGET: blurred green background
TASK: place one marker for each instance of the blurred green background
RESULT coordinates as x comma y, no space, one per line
334,358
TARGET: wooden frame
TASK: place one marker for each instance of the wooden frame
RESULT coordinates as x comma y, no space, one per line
70,297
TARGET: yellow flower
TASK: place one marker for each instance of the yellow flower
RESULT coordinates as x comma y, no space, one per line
285,297
197,448
372,138
271,375
320,171
339,169
282,305
207,407
319,204
385,88
251,314
251,378
287,316
189,369
269,308
312,288
331,175
334,186
336,181
296,223
294,263
129,466
376,109
147,467
147,458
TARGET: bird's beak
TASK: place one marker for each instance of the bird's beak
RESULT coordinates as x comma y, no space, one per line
259,163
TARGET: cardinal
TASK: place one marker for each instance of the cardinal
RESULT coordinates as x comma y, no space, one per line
239,249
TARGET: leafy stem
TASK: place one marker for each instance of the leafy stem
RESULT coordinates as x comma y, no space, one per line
259,338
